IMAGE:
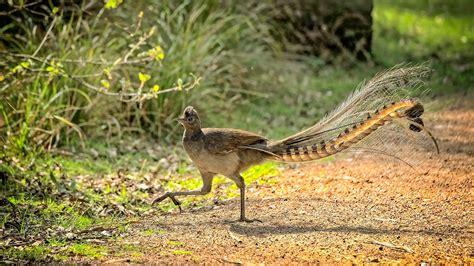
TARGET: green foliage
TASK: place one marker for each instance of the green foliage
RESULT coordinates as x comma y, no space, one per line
157,53
34,253
63,89
148,232
89,250
420,31
112,4
439,32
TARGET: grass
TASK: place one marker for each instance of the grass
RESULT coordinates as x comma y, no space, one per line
438,32
44,252
88,250
149,232
131,250
452,34
26,211
59,110
113,157
35,253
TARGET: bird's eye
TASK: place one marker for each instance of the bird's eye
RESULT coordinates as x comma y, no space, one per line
190,119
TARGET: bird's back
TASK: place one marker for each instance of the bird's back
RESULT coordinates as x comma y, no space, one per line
224,150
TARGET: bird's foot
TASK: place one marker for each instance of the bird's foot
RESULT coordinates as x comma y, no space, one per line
168,195
244,219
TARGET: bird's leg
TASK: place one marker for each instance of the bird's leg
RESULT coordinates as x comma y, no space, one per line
170,195
241,184
206,188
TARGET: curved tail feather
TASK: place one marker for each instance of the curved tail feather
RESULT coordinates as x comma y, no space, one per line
348,137
365,121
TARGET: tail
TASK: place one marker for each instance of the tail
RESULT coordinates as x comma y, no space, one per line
386,99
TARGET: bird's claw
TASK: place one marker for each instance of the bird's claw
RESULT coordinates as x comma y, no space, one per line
168,195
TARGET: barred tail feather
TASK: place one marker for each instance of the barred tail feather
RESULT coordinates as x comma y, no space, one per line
367,120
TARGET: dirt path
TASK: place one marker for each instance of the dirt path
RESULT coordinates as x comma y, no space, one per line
335,212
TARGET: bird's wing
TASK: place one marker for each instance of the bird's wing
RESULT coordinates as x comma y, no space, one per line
225,140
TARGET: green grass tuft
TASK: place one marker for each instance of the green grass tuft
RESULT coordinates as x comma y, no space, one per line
88,250
32,253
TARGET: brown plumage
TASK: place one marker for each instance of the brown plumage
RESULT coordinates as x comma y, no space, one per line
379,117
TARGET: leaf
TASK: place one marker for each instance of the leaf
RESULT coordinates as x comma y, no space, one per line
25,64
16,69
143,77
180,84
140,15
157,53
152,31
52,70
55,10
156,88
2,77
112,4
105,83
107,72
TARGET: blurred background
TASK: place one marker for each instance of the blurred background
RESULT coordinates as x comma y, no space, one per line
272,67
89,90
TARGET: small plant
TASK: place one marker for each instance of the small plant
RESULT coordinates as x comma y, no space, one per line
88,250
34,253
148,232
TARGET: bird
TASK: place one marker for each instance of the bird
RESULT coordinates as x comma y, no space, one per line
381,116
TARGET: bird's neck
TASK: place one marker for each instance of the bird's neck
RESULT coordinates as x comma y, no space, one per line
193,133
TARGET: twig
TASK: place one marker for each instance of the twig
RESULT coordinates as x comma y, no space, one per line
133,97
117,260
392,246
94,229
141,41
226,260
385,220
45,36
84,61
234,237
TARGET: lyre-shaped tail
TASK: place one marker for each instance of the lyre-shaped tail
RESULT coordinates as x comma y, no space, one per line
378,117
352,134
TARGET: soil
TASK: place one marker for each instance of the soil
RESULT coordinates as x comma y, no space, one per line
337,211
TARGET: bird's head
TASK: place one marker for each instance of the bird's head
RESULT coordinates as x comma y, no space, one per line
190,119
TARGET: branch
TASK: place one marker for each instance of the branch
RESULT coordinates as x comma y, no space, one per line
46,36
132,96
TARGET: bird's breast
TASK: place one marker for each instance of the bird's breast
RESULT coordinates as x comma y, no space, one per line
225,164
